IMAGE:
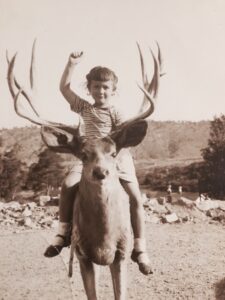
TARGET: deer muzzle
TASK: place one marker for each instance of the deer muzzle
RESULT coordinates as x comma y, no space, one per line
100,173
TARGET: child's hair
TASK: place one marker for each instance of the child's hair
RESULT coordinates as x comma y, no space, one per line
101,74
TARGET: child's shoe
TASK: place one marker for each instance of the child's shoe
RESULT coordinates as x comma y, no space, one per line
61,242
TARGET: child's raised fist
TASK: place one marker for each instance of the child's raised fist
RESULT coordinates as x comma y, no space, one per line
75,57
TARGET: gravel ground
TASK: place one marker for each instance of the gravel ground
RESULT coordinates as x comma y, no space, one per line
188,262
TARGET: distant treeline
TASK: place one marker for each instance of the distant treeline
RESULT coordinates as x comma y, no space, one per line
26,163
163,140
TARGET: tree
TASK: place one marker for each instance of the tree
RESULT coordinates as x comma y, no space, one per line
11,175
214,158
47,172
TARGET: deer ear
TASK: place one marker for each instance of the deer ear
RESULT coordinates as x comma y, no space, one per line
59,140
130,135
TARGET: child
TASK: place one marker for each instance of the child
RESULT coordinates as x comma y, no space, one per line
99,120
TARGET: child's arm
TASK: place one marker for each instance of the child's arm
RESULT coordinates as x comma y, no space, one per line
65,88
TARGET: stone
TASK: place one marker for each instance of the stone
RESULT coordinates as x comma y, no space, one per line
154,206
161,200
27,212
171,218
186,202
32,205
28,222
43,199
151,218
207,205
55,224
13,205
1,206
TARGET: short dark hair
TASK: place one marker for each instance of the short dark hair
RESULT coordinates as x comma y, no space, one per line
101,74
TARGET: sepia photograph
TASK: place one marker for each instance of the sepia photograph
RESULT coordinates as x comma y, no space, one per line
112,149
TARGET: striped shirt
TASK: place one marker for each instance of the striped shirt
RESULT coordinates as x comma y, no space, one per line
98,121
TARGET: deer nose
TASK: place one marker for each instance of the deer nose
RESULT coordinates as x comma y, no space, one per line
100,173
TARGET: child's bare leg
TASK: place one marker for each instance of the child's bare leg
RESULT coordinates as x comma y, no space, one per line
139,253
67,197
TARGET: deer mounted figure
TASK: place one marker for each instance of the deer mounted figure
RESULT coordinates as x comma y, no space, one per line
101,223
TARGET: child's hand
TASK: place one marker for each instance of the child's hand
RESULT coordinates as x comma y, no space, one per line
75,57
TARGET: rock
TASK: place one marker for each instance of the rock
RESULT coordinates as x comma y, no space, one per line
144,198
207,205
198,215
46,222
43,199
161,200
1,206
171,218
8,222
31,205
27,212
221,204
55,224
198,200
28,215
151,218
21,221
216,214
154,206
186,202
185,219
13,205
28,222
15,215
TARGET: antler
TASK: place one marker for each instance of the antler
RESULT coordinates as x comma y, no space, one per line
60,137
58,129
150,90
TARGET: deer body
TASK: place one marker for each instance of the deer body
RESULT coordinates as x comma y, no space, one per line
101,223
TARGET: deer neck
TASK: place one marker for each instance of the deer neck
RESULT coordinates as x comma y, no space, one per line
99,191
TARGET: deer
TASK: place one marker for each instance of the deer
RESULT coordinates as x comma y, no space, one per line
101,223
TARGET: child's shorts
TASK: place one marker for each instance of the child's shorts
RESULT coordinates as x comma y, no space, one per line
125,167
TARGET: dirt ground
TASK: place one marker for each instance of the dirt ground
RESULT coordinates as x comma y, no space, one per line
188,262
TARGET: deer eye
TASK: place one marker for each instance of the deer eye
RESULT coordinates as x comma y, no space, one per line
113,154
83,156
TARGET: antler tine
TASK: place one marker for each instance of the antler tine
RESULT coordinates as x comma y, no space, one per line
152,105
10,77
56,127
13,61
38,120
16,97
159,56
33,67
143,72
150,89
160,60
154,84
14,85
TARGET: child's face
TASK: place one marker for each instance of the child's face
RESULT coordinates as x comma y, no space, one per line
101,91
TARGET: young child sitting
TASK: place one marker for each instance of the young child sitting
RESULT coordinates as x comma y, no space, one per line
99,120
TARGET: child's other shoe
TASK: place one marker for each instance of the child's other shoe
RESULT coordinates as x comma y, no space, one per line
141,258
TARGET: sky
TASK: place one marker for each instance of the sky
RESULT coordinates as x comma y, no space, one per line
190,34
